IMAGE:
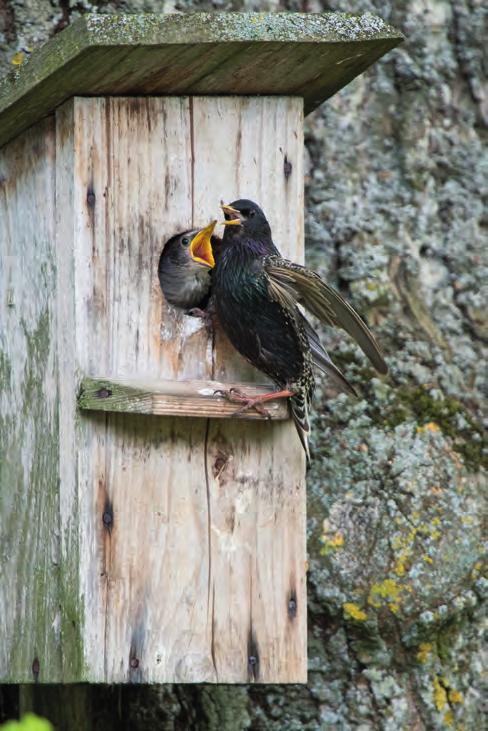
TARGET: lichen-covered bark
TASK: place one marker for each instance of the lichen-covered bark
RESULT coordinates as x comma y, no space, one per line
396,217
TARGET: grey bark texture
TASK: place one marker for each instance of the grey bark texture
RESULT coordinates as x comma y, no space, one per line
397,190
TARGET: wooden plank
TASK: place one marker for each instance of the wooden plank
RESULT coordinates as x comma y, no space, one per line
30,642
253,148
125,191
72,603
173,398
310,55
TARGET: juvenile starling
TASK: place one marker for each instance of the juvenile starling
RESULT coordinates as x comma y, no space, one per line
185,267
257,294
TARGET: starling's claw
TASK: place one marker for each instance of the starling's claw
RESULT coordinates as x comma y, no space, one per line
248,402
256,404
252,402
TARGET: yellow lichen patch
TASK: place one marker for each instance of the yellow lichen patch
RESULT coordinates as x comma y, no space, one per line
430,426
411,535
399,568
427,558
425,649
332,543
476,570
387,590
336,541
440,695
455,696
435,521
19,57
352,611
448,718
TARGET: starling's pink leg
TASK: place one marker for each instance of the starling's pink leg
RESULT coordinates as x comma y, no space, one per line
253,402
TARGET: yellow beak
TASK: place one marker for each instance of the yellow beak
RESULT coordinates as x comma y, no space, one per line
229,211
201,246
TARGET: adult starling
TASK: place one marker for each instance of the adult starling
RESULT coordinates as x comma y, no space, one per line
257,294
185,267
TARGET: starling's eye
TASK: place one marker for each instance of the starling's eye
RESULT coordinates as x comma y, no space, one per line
251,213
246,212
185,240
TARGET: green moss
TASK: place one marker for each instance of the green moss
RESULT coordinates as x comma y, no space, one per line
5,371
416,403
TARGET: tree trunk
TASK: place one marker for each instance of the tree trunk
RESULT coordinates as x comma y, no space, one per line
396,219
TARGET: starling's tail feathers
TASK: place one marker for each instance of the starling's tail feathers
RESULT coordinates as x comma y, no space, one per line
332,371
322,360
299,412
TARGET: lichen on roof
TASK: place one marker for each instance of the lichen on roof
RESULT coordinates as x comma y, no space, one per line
237,27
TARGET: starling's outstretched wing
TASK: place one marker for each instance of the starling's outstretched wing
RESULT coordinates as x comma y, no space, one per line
290,283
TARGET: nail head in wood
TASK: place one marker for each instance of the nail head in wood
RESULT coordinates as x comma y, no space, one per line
36,667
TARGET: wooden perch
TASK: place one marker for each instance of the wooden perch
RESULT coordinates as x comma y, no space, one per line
173,398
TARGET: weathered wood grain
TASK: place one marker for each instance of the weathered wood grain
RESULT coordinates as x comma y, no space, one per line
126,188
174,398
253,148
174,549
30,642
310,55
191,538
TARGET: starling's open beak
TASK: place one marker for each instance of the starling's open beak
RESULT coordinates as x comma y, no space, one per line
201,246
232,216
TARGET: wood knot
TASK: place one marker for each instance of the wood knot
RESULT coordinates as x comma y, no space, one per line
90,197
36,667
292,606
103,393
252,657
134,663
287,167
219,464
108,515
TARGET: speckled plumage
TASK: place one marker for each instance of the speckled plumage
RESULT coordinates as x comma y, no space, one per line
257,293
271,337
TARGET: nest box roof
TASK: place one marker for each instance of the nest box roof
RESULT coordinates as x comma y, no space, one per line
296,54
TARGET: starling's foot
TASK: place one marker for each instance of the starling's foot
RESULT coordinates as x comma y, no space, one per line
252,402
248,402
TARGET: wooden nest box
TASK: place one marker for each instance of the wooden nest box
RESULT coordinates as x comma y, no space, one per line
145,539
